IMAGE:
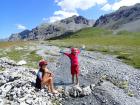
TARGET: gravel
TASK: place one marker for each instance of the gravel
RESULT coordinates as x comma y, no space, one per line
104,80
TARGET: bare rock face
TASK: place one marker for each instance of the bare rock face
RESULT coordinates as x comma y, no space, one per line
120,19
56,29
22,35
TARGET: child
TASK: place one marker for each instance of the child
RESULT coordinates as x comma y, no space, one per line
74,63
45,77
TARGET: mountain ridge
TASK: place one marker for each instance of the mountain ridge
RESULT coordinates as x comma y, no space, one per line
126,18
46,31
120,19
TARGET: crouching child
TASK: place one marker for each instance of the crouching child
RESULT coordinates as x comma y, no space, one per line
45,77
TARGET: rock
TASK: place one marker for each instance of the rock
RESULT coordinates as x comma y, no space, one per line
112,95
23,103
21,81
60,88
86,91
29,101
0,91
49,103
2,82
92,86
75,91
66,91
22,62
5,88
1,102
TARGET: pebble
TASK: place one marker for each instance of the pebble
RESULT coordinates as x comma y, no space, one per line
16,82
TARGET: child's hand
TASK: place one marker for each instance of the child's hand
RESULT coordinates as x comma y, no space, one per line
61,51
52,74
83,47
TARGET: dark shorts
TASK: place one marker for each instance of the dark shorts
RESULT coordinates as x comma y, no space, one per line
38,83
75,69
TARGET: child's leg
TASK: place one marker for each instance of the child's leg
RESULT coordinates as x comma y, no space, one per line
72,78
49,83
49,87
77,79
52,86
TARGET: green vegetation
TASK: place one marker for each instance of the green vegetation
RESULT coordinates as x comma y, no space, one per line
29,56
2,69
123,84
130,93
56,102
12,44
124,44
15,54
32,59
20,51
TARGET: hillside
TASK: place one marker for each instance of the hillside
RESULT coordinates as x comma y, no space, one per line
124,44
126,18
47,31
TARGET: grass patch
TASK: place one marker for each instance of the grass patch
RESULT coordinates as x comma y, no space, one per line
124,44
130,93
123,85
56,102
33,59
12,44
29,56
16,55
2,69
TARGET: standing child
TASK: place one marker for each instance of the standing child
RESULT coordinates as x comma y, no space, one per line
74,63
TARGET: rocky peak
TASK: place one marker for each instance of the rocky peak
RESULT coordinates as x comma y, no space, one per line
118,18
47,31
75,19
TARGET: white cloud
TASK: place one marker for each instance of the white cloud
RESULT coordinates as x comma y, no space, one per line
58,15
20,27
70,7
106,7
117,5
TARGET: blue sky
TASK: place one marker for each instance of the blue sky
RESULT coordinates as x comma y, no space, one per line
17,15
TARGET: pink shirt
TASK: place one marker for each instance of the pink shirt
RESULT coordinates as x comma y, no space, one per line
73,58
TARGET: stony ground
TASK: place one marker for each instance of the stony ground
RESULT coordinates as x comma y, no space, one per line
104,80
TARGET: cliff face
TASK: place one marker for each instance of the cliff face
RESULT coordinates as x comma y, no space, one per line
126,18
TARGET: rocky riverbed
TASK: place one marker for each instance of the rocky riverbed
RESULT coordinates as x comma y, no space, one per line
104,80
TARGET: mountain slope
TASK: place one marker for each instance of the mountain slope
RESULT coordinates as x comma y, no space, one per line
47,31
123,19
124,44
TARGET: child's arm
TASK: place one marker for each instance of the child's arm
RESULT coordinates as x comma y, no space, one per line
49,72
62,52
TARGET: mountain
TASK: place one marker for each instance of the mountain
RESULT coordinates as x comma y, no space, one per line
126,18
3,40
22,35
47,31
